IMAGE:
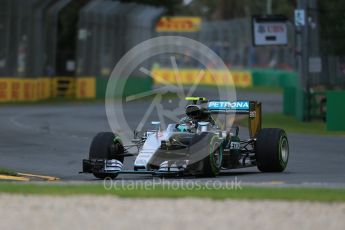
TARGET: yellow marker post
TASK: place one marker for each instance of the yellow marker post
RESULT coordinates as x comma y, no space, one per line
16,178
47,178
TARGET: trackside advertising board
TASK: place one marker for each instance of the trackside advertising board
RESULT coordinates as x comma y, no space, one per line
23,89
269,30
85,88
240,78
35,89
178,24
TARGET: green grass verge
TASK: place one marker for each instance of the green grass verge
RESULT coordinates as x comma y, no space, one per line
261,89
63,101
290,124
253,89
8,172
251,193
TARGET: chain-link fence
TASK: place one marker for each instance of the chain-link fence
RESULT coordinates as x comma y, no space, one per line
34,37
107,30
32,31
332,75
325,65
232,41
21,37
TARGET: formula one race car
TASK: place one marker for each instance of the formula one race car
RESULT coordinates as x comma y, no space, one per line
198,145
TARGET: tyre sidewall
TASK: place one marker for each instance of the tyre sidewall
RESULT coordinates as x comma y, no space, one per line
269,150
206,144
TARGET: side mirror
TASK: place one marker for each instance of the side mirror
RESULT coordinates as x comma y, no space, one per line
136,140
203,126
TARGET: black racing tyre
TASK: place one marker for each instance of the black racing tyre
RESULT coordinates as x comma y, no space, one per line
209,146
106,146
272,150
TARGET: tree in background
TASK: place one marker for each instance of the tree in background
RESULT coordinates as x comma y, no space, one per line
169,5
332,26
230,9
221,9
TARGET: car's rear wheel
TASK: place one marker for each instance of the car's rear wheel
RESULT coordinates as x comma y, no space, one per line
106,146
272,150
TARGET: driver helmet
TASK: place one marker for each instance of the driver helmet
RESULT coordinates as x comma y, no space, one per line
185,124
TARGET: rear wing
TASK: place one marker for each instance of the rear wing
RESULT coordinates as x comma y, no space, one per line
252,108
239,107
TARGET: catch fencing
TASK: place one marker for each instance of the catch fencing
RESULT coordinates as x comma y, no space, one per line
107,30
36,41
232,41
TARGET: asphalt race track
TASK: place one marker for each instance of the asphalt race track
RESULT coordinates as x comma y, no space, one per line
53,139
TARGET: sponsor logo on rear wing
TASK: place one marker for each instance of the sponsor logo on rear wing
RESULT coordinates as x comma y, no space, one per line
229,106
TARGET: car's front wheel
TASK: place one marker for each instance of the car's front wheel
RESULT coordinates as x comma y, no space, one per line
106,146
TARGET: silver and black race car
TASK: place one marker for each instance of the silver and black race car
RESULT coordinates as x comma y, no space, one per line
199,145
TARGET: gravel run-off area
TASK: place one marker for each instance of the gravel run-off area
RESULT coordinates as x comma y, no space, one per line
108,212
